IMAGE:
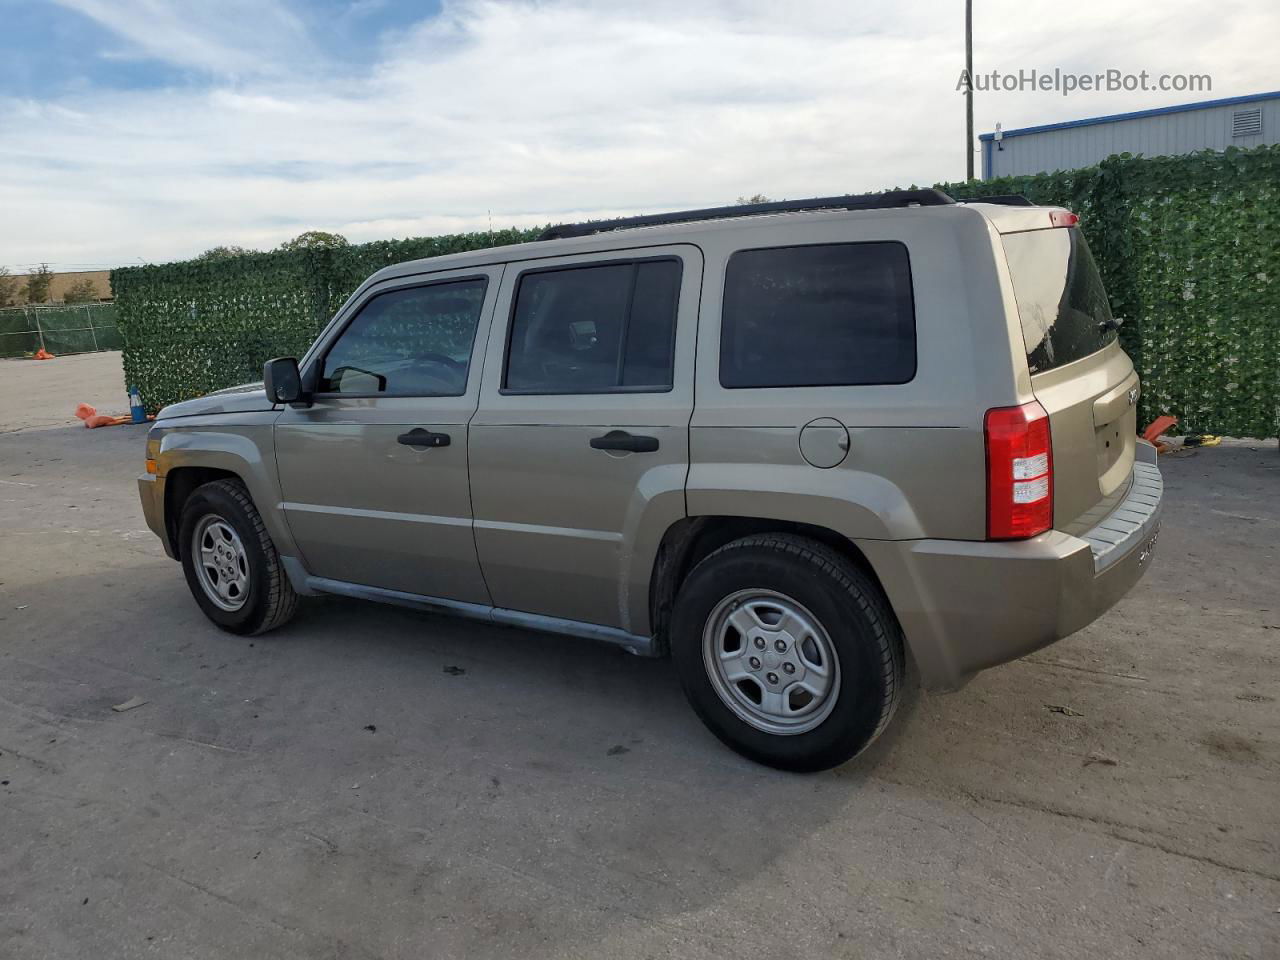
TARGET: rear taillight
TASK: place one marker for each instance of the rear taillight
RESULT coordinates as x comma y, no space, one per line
1063,218
1019,472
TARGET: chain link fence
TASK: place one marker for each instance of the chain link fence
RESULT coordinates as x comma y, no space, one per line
59,328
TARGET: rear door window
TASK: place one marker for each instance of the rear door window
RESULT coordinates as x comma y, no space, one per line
818,315
1061,301
597,328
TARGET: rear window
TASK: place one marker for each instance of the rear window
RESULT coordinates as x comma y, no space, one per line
818,315
1061,302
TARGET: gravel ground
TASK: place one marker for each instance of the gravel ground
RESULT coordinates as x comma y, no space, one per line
369,782
44,393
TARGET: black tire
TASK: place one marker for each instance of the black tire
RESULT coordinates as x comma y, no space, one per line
850,607
270,601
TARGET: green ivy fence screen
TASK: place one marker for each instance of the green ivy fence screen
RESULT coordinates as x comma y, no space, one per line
197,326
1189,248
60,329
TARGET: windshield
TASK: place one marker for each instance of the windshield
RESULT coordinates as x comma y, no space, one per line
1061,302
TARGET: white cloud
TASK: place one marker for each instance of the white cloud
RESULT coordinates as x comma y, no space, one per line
224,37
556,109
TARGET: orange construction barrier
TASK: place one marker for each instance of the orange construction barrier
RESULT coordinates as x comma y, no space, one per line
1158,426
92,418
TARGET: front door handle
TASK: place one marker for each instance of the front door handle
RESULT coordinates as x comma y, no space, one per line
419,437
621,440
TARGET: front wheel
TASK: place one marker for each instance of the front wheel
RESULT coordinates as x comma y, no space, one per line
787,651
230,563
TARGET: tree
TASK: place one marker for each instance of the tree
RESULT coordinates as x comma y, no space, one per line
38,280
754,198
82,291
315,240
8,288
224,253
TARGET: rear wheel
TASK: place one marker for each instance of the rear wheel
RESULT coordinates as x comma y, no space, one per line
787,651
230,563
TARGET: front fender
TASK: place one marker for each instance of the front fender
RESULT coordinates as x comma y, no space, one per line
244,449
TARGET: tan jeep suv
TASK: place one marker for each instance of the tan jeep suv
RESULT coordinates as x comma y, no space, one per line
786,444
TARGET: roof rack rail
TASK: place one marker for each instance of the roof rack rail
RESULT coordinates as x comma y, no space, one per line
1004,199
865,201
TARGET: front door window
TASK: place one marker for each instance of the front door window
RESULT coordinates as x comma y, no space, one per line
414,342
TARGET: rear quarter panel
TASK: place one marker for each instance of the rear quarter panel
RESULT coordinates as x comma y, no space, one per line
916,461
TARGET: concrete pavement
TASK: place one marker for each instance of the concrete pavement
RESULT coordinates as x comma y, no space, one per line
370,782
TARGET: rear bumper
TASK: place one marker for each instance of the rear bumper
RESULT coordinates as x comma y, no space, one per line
151,492
965,606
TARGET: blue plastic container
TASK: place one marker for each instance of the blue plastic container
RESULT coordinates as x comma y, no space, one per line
136,410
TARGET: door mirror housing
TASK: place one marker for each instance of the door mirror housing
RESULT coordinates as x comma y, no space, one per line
282,380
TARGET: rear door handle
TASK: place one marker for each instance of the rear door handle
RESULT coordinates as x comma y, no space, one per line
621,440
418,437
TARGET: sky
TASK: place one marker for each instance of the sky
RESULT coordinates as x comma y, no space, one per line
139,131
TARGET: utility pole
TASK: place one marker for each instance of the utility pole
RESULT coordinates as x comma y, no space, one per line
968,94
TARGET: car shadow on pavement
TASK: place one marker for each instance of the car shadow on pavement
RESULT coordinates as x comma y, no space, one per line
540,764
434,764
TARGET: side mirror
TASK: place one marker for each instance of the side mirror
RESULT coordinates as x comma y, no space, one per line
282,380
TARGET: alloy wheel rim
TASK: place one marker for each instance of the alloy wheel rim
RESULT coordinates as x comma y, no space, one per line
771,661
222,565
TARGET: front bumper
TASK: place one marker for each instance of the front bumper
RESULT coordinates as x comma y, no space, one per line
151,491
965,606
